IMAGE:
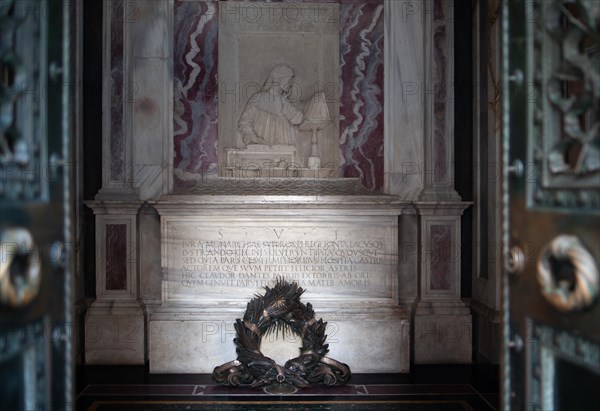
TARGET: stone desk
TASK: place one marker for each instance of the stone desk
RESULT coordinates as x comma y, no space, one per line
225,239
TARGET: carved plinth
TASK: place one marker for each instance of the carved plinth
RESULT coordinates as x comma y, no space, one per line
442,320
260,154
260,161
335,239
114,323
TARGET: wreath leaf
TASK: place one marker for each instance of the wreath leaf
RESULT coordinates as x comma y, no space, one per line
280,310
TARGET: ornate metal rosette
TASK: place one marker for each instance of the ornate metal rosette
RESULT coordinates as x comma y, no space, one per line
280,309
565,294
563,96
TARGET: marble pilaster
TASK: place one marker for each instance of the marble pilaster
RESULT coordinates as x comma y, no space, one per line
438,102
151,108
442,321
404,115
114,327
117,166
137,99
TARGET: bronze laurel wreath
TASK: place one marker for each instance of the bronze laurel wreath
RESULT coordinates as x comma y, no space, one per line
280,309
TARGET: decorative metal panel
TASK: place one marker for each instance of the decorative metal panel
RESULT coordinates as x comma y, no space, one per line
24,167
36,123
551,206
563,79
25,369
545,347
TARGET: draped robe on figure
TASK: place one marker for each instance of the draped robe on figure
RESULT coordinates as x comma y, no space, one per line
269,118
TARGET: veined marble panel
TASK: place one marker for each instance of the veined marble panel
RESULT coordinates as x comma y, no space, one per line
195,88
117,160
361,92
116,256
441,87
441,256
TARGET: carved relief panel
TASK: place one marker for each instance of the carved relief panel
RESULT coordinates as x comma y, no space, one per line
278,72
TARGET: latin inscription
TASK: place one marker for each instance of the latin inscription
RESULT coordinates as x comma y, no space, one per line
258,263
210,260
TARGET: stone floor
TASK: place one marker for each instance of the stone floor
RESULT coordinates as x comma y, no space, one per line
428,388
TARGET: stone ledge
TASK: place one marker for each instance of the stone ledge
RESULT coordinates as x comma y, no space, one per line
315,185
199,346
364,312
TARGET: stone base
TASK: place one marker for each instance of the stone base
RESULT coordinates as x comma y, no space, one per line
314,162
253,171
442,339
338,242
190,340
487,329
261,161
259,156
114,334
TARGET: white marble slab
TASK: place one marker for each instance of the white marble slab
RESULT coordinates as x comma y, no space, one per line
215,259
376,343
218,254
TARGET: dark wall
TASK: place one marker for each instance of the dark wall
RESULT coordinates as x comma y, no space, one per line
92,130
463,135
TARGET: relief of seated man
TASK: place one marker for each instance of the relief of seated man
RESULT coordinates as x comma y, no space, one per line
269,117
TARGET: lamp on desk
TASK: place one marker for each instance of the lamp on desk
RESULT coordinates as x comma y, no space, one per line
316,117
